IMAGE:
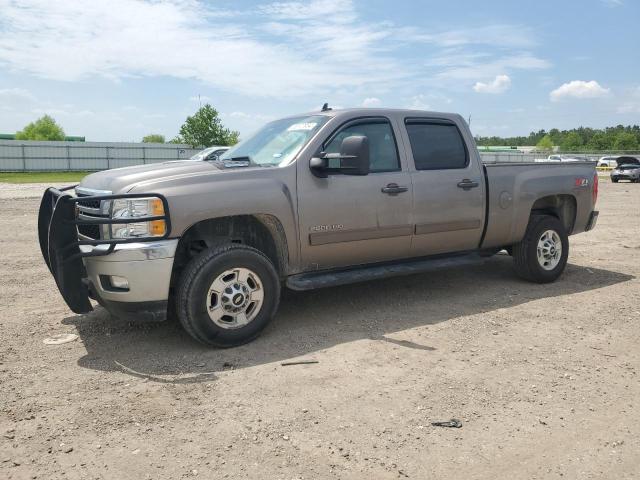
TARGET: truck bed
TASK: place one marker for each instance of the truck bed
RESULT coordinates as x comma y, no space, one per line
514,189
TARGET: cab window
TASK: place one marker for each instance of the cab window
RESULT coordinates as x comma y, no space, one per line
383,153
436,145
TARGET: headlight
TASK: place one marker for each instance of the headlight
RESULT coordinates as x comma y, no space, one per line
124,208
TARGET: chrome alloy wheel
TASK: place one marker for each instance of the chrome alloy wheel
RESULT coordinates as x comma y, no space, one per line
235,298
549,250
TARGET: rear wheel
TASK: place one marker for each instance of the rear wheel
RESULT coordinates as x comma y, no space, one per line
614,180
542,254
227,295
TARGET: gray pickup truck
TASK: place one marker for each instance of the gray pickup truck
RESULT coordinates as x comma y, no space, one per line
309,201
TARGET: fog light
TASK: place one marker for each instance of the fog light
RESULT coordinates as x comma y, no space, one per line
119,282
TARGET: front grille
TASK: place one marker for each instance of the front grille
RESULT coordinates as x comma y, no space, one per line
91,231
89,209
89,203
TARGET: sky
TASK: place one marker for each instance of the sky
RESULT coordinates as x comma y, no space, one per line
116,70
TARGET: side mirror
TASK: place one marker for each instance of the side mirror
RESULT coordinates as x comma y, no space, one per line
353,158
354,155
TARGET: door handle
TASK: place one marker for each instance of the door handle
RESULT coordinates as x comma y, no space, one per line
394,189
467,184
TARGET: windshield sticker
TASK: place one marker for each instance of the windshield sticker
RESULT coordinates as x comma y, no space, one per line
302,126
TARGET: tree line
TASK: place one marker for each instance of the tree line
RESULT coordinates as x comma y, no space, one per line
202,129
583,139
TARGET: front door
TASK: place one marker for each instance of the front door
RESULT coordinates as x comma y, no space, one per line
351,220
448,188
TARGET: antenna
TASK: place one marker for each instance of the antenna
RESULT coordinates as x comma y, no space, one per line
199,101
325,107
469,121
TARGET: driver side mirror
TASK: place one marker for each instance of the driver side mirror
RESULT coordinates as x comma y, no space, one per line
353,158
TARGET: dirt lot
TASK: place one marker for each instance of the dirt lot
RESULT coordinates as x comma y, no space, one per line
543,377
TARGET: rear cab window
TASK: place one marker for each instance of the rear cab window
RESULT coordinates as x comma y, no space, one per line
436,144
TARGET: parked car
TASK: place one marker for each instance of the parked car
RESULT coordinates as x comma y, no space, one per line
309,201
607,161
211,153
627,168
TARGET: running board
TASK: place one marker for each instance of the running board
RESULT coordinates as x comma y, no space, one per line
310,281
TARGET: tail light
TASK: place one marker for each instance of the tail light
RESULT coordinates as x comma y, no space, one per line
594,192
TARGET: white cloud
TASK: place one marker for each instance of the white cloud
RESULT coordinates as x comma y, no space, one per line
499,35
579,89
469,66
371,102
419,102
339,10
250,116
200,98
500,84
67,40
631,103
16,95
613,3
282,49
67,111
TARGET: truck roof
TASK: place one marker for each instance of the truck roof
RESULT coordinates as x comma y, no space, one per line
382,111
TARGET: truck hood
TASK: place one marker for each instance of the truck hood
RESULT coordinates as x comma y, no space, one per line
121,180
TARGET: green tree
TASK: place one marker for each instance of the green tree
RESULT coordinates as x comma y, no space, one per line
545,144
625,141
205,129
600,141
153,138
45,128
571,142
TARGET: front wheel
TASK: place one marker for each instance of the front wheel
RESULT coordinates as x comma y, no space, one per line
542,254
614,180
227,295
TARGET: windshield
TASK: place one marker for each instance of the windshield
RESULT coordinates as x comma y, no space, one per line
629,167
277,142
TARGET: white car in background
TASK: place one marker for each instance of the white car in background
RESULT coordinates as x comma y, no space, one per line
608,161
211,153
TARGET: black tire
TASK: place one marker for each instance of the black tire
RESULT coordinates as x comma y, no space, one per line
614,180
198,276
525,257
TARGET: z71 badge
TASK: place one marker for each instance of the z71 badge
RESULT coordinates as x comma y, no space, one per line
326,228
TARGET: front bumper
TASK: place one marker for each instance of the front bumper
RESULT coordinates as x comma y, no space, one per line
623,176
145,266
79,266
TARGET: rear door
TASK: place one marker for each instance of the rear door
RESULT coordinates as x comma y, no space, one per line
349,219
448,187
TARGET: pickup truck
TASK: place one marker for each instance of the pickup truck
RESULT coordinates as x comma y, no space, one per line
313,200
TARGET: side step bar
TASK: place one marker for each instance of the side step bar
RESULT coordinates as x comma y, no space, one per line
322,279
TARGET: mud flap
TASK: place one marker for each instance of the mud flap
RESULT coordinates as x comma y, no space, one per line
58,237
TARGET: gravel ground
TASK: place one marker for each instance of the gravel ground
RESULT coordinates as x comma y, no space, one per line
543,377
9,191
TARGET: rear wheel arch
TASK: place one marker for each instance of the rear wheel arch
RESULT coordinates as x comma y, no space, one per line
564,207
